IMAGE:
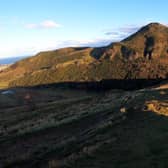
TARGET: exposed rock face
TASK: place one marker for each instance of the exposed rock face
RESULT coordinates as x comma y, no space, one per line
129,53
149,47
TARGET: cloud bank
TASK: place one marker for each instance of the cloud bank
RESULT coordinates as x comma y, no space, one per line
109,36
122,32
46,24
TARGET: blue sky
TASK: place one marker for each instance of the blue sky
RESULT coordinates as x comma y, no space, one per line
30,26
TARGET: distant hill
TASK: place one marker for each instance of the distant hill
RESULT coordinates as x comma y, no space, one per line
11,60
143,55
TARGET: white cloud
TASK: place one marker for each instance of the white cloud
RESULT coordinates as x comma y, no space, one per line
46,24
31,26
21,49
121,32
49,24
129,29
38,46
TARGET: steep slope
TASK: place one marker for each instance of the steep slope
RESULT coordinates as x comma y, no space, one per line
144,55
150,41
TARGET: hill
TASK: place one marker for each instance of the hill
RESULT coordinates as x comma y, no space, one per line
83,125
143,55
11,60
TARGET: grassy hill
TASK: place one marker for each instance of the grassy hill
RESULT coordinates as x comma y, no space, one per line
85,125
143,55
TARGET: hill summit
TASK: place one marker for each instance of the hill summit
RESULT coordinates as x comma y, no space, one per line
143,55
151,42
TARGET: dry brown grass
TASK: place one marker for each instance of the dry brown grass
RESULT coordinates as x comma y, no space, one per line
159,107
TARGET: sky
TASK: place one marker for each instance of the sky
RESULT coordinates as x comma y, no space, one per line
30,26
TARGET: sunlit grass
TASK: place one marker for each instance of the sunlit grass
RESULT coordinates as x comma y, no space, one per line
3,85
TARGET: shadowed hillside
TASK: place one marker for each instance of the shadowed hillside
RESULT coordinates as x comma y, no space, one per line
144,55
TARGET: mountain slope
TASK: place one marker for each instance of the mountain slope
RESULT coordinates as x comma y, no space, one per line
144,55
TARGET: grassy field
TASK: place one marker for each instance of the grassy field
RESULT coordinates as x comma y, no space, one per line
3,85
75,128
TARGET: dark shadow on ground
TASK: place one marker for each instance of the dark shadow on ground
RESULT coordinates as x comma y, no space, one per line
125,84
139,140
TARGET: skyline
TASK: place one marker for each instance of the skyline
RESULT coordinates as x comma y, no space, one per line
33,26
